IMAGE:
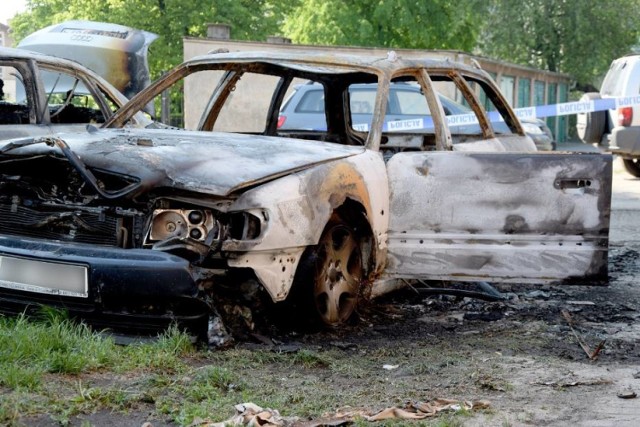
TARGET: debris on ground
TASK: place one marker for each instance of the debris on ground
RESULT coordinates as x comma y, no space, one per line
414,410
574,383
250,414
627,394
592,354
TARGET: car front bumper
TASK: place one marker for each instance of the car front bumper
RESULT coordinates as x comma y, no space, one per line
625,141
131,290
542,142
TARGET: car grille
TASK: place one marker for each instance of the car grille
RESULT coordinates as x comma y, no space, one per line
73,226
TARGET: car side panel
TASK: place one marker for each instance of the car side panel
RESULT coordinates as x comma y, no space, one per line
503,217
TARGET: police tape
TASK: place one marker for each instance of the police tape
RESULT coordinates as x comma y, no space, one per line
530,113
576,107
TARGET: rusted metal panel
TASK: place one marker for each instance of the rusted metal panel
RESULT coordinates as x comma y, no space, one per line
505,143
499,216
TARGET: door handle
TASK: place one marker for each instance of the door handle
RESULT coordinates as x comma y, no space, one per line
562,184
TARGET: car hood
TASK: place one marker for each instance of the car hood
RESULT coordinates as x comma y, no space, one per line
215,163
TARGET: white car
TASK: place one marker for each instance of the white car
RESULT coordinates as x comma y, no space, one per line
617,129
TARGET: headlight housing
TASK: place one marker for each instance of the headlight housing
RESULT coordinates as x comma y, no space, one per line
195,224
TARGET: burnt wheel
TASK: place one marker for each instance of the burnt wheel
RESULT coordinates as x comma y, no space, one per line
632,166
330,277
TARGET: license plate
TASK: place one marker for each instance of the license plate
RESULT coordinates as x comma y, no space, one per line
43,277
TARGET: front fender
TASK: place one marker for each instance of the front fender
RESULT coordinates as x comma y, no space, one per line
296,209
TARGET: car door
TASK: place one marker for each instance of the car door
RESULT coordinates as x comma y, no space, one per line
491,215
510,217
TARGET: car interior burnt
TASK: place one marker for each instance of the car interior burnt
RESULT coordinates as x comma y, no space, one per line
11,111
336,93
13,114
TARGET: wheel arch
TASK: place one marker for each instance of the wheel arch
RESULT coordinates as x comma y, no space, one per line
356,189
355,214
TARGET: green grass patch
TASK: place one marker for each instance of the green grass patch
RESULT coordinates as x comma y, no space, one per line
54,368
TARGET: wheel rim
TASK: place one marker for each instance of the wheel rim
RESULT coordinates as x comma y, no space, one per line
338,275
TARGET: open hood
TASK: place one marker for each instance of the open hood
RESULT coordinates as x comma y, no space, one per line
115,52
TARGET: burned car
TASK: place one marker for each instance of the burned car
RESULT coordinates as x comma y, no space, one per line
42,95
137,227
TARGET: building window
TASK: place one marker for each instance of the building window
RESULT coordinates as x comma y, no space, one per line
538,93
524,92
506,87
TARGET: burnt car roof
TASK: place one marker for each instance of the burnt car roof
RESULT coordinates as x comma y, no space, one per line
316,61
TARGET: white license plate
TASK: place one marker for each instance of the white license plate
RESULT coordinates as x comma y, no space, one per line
43,277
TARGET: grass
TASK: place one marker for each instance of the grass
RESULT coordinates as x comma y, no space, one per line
54,368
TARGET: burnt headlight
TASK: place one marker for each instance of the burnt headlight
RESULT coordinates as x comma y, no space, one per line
182,223
244,226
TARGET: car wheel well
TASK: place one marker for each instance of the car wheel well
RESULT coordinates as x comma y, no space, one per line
355,214
339,264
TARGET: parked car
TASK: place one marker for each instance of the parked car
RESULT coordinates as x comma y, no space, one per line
618,129
304,109
542,136
142,227
42,95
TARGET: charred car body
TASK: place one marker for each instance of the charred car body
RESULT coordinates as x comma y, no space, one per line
138,226
44,95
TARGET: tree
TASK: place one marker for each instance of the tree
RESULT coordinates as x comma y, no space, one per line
170,19
577,37
421,24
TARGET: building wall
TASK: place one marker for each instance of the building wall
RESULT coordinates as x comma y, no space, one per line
523,86
8,79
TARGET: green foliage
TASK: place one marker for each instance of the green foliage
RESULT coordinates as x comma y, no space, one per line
434,24
30,349
170,19
577,37
571,36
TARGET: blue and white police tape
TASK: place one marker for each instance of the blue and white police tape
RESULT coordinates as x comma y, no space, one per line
540,111
577,107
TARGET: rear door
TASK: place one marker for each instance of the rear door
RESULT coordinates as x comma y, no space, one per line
502,217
